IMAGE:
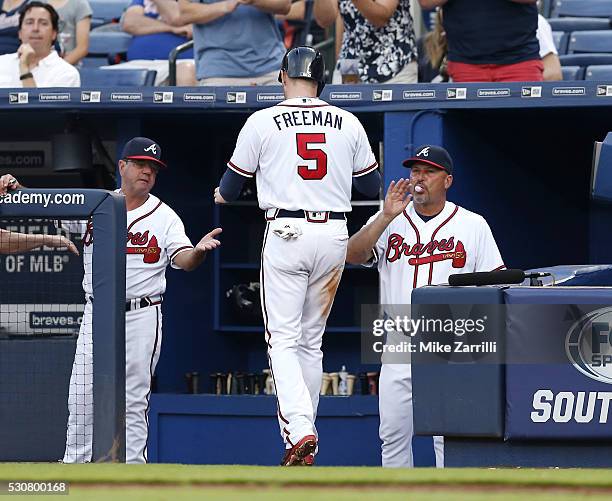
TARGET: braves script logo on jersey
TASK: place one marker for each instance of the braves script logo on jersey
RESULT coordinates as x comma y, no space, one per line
88,236
140,242
397,248
142,245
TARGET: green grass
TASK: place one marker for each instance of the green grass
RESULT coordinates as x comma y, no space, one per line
250,476
317,494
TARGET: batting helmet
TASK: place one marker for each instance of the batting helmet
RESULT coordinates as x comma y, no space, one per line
245,301
304,62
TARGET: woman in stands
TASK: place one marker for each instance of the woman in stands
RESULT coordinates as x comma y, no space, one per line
74,25
378,43
433,49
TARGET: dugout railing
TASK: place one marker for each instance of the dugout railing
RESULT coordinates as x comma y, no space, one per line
107,212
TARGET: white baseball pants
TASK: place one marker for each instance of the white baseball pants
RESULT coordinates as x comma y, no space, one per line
143,334
396,418
299,278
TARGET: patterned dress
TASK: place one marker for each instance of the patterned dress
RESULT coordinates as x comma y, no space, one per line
381,52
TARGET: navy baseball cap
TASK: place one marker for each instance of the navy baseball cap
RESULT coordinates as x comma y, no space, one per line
432,155
143,148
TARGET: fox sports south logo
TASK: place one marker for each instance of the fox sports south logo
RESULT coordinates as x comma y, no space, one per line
589,345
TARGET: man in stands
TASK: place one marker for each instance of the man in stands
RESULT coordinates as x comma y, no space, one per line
236,42
36,63
157,30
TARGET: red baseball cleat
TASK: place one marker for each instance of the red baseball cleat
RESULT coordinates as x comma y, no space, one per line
302,453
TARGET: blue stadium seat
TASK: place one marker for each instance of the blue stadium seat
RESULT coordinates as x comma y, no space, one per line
569,24
603,72
104,46
95,77
561,40
106,11
582,8
585,59
590,42
546,7
572,72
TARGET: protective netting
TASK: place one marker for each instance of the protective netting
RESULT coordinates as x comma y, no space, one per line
43,300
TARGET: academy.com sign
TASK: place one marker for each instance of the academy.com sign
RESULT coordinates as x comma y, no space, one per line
44,199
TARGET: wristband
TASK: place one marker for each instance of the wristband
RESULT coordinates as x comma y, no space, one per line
26,75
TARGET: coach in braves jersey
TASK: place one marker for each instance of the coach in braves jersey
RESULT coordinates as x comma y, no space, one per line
155,238
419,238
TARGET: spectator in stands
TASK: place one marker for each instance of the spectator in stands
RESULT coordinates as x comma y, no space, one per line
36,63
492,41
378,42
548,51
74,26
157,30
433,50
295,21
237,42
9,24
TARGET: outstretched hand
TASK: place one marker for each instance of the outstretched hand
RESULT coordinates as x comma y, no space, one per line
209,241
398,197
59,241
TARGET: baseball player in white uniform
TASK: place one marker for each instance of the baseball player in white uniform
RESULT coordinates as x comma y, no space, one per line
418,238
305,155
155,238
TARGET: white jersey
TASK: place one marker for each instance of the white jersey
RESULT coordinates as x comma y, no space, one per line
305,153
412,253
155,236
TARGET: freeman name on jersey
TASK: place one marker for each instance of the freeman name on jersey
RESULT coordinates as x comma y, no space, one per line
308,117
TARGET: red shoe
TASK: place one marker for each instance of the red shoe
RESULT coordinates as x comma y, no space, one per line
302,453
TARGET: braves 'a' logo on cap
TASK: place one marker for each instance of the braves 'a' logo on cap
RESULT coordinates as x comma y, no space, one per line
424,152
152,149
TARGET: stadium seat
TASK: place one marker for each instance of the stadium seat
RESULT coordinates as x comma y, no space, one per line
104,46
572,72
582,8
95,77
546,7
569,24
106,11
590,42
585,59
603,72
561,40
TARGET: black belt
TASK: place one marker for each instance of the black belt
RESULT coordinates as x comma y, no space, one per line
140,302
311,216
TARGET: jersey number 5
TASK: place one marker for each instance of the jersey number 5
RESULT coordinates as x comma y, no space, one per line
303,141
